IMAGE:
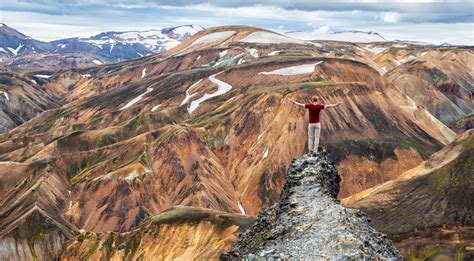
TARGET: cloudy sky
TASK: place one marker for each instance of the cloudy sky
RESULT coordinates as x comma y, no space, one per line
421,20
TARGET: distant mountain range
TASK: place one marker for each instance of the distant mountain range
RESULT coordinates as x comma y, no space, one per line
18,51
345,36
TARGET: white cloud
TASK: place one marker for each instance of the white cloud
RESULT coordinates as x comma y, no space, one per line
391,17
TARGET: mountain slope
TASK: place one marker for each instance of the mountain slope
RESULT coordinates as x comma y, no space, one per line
309,222
429,205
21,98
439,82
179,233
13,43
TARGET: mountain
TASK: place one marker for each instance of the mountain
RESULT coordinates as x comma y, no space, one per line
439,82
181,232
20,52
309,222
21,99
428,209
344,36
13,43
128,45
206,124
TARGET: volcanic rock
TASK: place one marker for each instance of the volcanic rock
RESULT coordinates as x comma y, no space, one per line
309,222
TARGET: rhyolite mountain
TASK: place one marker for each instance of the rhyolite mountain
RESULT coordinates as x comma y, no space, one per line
428,210
21,52
206,124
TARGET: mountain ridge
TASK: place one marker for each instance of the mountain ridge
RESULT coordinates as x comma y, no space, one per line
21,52
309,222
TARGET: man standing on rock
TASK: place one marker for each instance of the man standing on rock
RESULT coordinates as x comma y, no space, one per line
314,126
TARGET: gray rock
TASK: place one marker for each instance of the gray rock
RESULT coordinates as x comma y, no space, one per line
309,223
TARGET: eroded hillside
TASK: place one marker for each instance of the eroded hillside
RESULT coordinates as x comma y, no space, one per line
206,124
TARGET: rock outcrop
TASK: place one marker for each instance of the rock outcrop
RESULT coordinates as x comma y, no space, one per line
309,221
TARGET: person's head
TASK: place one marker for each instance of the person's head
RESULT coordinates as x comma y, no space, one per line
314,99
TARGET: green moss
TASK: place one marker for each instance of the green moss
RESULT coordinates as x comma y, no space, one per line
436,75
455,178
422,255
78,177
135,122
215,242
83,236
459,253
107,245
132,244
91,250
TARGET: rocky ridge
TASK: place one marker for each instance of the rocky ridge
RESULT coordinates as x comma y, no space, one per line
309,222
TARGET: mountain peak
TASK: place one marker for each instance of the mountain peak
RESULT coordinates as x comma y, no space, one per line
5,29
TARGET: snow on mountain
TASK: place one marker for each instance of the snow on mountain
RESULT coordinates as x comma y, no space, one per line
212,37
347,36
267,37
13,43
154,40
102,48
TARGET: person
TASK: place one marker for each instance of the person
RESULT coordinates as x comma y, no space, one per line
314,126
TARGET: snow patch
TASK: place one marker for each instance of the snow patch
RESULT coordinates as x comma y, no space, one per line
97,62
143,72
6,95
155,107
293,70
137,99
253,52
223,53
111,47
186,99
222,87
85,75
212,37
241,208
42,76
404,60
133,175
265,153
141,55
274,53
400,45
199,57
375,50
33,81
2,50
16,50
241,61
269,38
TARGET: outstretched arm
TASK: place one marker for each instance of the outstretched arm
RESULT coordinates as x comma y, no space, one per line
297,103
332,105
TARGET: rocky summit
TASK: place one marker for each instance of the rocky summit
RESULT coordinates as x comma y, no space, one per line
309,222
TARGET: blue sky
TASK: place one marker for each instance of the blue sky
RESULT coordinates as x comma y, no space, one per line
422,20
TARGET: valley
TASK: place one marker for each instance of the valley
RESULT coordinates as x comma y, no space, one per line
204,132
